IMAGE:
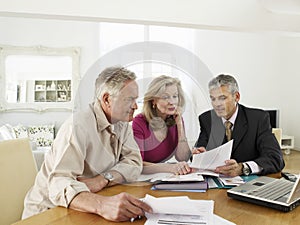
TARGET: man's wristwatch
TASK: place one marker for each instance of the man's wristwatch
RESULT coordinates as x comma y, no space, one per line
246,169
108,176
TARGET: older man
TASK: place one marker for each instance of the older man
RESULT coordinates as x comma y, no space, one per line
94,149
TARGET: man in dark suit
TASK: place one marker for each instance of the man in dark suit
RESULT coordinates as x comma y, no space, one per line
255,148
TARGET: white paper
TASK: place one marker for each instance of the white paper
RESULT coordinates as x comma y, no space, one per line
211,159
177,210
186,177
211,183
153,177
233,181
221,221
171,177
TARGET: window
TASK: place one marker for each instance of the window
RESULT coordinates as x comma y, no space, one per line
113,36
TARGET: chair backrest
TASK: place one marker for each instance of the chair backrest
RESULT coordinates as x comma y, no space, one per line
278,134
17,174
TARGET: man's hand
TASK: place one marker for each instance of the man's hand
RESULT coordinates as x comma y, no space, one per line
122,207
198,150
117,208
231,168
95,184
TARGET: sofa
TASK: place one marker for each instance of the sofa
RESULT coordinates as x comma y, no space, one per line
41,137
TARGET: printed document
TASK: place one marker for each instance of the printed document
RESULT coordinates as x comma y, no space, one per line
171,177
179,210
182,211
209,160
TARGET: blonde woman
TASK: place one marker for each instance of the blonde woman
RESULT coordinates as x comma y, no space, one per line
159,129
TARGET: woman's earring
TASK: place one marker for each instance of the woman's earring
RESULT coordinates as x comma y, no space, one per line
153,106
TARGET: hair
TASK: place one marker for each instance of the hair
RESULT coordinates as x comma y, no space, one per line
111,80
156,88
224,80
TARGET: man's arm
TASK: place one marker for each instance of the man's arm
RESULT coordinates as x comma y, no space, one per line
271,158
99,182
130,163
203,134
121,207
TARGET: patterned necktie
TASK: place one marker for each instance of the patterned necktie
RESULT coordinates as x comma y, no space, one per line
228,131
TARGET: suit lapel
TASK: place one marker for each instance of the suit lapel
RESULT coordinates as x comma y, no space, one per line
217,133
240,128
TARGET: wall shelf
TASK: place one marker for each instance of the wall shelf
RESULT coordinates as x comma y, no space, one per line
52,91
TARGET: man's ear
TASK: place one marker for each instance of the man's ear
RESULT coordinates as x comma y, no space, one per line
106,98
237,96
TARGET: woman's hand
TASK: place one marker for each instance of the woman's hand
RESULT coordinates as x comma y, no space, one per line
177,116
180,168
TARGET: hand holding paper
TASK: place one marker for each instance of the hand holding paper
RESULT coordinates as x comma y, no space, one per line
210,160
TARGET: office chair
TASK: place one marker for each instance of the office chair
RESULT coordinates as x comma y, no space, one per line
18,172
278,134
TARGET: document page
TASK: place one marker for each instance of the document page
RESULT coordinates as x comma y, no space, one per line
211,159
171,177
179,210
182,210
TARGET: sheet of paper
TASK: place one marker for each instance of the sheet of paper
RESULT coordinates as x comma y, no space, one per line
221,221
185,220
153,177
211,159
211,183
170,210
233,181
187,177
171,177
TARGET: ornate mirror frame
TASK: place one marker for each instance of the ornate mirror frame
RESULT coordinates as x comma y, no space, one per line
69,83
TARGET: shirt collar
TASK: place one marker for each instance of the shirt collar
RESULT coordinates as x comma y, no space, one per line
102,122
233,117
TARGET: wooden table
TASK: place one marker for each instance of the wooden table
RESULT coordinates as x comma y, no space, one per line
239,212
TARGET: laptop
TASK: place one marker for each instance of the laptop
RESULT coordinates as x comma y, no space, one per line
280,194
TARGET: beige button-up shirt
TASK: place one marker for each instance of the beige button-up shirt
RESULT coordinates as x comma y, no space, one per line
86,145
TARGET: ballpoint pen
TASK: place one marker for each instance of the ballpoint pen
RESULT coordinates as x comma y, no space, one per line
133,219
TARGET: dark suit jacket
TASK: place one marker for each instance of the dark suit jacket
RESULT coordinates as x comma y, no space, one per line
252,135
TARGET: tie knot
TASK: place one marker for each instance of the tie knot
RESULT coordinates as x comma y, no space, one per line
228,124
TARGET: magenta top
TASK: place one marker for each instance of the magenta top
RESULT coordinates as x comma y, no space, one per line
151,149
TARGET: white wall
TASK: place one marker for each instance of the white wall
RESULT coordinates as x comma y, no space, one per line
50,33
266,67
261,48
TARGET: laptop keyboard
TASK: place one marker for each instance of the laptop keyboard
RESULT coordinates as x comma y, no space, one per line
273,190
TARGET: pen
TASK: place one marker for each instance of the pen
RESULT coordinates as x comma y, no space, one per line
133,219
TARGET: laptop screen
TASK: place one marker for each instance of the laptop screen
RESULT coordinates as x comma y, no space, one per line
295,193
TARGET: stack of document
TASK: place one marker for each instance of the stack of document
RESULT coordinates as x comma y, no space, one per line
188,182
182,210
228,182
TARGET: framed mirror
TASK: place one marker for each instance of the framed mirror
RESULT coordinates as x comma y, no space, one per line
38,78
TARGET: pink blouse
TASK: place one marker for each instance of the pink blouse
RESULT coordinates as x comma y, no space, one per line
151,149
